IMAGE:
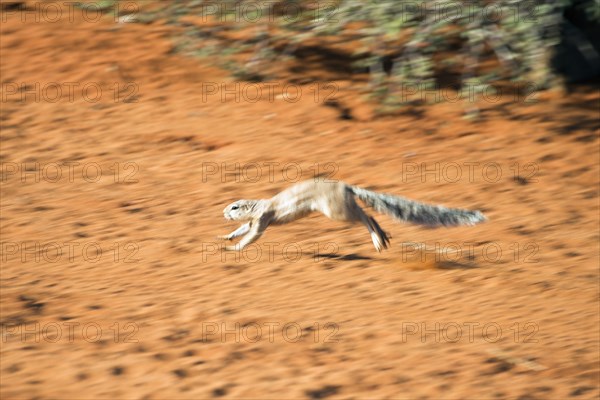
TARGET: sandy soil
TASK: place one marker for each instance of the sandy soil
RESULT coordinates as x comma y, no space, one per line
162,313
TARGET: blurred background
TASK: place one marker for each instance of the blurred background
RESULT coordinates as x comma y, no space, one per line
127,127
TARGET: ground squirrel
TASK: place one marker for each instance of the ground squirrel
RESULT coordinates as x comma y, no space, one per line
336,201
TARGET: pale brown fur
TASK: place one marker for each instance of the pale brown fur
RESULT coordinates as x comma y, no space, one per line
336,200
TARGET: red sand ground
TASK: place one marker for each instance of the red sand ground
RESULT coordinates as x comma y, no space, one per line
153,326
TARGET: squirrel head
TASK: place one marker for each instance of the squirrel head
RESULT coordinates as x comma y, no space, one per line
240,210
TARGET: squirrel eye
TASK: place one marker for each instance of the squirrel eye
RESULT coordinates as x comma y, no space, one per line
234,207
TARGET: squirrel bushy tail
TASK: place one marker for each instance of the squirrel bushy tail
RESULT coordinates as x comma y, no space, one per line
404,209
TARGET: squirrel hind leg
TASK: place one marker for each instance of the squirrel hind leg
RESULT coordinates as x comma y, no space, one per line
380,238
383,236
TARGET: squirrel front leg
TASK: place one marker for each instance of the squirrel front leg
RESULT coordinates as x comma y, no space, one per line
242,230
255,232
